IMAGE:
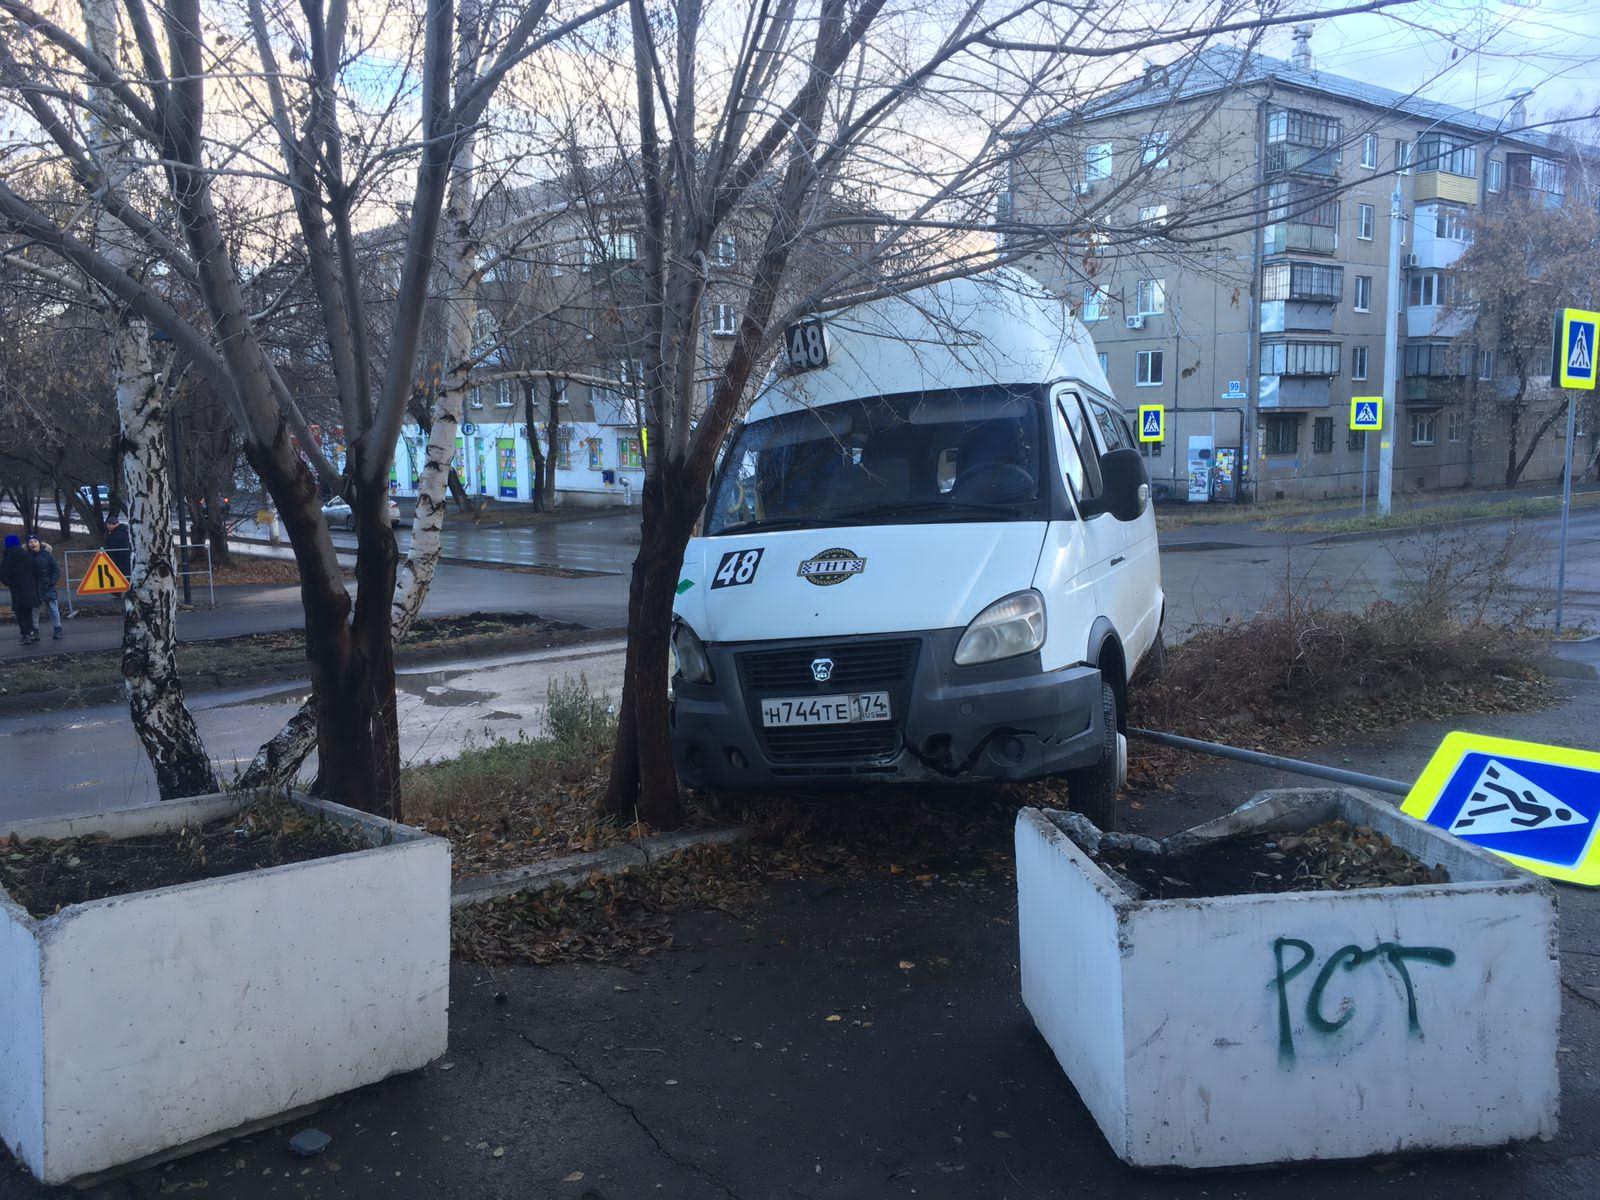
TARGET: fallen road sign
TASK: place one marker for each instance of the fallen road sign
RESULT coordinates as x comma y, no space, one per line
103,578
1537,806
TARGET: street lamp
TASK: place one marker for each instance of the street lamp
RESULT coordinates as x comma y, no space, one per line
1391,331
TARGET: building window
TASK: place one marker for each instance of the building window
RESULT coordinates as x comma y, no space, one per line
1451,223
592,447
1432,360
1302,201
1153,150
1315,282
1093,306
475,397
1283,433
611,247
1422,427
1495,170
1365,222
1302,128
1357,440
1369,151
1322,436
1152,297
724,250
1442,152
630,457
1152,217
1485,366
502,392
1402,156
724,320
1428,288
1097,162
1300,358
1363,293
1456,424
1358,362
564,448
1149,371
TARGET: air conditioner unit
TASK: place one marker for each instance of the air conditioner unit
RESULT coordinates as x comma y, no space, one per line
1136,321
1411,260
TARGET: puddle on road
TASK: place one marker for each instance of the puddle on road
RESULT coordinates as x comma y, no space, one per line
433,691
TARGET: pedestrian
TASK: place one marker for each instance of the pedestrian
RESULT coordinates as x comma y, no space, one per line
119,544
46,572
16,572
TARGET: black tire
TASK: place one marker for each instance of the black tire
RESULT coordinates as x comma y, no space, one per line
1093,790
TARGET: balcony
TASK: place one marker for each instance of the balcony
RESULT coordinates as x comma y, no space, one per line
1433,389
1284,316
1288,392
1442,185
1297,237
1286,159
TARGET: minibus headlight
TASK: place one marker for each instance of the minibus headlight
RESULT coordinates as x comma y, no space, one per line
689,659
1010,626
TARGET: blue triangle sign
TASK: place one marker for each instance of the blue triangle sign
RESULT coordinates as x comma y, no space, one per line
1366,414
1152,424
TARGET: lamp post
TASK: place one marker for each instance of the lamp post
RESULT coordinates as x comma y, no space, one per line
1391,330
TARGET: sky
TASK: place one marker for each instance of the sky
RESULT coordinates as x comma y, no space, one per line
1470,53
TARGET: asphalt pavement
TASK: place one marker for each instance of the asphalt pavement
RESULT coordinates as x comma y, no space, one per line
715,1069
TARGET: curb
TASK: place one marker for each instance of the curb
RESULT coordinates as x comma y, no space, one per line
575,868
551,570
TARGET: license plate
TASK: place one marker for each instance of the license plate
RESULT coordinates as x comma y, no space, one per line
844,709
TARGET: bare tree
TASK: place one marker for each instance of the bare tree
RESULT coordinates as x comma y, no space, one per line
300,106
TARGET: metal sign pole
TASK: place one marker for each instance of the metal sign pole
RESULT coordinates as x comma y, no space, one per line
1366,460
1566,506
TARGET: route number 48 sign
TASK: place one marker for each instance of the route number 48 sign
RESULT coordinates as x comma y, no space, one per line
806,346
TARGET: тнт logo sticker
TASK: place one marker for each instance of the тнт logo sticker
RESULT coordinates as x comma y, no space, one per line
831,566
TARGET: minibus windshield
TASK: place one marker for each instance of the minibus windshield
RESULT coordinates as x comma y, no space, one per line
969,454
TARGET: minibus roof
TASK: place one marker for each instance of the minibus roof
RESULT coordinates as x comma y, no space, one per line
1001,327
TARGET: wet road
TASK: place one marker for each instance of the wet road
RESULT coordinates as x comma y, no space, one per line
88,759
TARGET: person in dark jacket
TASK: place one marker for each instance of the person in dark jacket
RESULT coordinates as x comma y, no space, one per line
16,572
119,544
46,572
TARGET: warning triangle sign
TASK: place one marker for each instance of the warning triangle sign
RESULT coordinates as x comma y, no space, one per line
1152,424
1502,801
103,578
1580,357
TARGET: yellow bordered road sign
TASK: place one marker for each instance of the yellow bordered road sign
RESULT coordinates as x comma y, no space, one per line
103,578
1152,423
1366,413
1576,331
1536,806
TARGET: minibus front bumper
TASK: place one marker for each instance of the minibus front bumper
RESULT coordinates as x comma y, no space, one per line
1008,720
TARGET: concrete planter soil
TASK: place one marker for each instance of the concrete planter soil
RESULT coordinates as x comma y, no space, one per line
1302,1025
136,1024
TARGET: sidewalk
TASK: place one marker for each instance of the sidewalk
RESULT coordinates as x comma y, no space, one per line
718,1069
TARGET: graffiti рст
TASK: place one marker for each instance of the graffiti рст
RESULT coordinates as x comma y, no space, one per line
1350,958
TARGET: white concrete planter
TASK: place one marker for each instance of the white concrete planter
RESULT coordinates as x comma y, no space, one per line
139,1023
1302,1025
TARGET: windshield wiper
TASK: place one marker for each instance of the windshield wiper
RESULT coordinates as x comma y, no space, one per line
775,523
906,507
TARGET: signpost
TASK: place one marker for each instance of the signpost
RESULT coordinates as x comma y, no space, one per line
1366,416
1573,369
1152,423
1536,806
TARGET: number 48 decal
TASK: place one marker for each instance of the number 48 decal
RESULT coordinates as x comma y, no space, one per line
736,567
807,346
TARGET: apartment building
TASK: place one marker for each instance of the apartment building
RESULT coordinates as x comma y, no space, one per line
1234,267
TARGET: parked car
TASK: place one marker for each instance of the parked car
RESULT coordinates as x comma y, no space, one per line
929,554
95,495
338,512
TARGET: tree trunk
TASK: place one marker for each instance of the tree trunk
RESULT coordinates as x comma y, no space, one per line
642,772
162,721
215,526
529,387
553,442
63,517
1513,435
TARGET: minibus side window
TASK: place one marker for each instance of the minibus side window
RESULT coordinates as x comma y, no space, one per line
1113,430
1079,459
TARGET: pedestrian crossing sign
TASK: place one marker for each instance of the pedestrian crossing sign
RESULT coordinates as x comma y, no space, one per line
1366,412
103,578
1152,423
1575,348
1536,806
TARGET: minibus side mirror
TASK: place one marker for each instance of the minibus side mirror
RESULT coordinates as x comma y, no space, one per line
1125,485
